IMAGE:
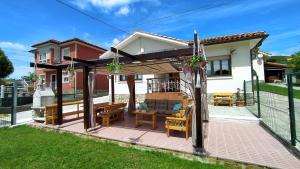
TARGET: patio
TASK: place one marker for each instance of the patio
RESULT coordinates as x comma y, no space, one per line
238,140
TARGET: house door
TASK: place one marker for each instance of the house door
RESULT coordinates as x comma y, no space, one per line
53,81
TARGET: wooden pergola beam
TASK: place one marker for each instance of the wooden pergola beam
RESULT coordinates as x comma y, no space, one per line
140,57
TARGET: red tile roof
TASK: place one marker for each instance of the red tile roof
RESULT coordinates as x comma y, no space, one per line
53,41
45,42
219,39
82,41
234,37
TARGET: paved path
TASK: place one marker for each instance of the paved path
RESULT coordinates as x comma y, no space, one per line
231,113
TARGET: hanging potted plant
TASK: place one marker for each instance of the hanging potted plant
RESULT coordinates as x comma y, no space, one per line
114,68
198,61
70,71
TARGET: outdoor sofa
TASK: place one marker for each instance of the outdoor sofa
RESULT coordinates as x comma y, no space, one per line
163,107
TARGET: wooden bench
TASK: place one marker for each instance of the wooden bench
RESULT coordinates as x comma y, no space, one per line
223,99
112,112
51,111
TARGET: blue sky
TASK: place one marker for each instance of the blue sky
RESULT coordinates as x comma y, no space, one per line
23,23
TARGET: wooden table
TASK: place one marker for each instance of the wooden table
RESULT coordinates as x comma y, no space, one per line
139,118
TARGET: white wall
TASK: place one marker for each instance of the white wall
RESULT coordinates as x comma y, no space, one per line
121,87
240,63
258,66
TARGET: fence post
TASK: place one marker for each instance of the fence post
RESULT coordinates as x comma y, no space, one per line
245,95
1,94
258,98
291,109
14,98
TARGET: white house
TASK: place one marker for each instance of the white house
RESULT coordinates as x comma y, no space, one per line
231,60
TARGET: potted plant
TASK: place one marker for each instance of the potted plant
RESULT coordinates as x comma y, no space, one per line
70,71
239,100
198,61
114,68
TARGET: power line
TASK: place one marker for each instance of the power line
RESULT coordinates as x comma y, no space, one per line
93,17
185,12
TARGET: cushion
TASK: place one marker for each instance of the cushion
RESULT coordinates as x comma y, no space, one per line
176,107
150,104
143,107
171,104
161,105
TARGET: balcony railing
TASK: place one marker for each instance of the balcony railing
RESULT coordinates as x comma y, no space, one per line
170,84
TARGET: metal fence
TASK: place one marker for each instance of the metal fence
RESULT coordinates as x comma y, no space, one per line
277,106
15,105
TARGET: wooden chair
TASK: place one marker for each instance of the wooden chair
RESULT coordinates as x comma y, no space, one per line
180,122
224,98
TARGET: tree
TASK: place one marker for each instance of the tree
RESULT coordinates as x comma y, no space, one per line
295,61
6,66
30,78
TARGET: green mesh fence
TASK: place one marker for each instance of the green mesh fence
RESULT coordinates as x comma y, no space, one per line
251,96
296,92
275,111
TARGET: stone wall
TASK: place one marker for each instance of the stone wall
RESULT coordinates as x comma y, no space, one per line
125,97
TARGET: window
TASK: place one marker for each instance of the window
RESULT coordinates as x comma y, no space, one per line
65,52
221,66
43,58
42,79
136,77
65,78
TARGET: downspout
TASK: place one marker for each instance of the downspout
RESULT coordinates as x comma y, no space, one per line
75,74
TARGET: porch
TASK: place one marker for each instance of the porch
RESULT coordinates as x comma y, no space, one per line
239,140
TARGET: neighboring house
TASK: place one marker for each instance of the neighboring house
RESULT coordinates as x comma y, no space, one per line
275,72
230,60
51,52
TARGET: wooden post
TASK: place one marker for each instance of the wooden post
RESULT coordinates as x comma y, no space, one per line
112,83
59,97
86,97
131,88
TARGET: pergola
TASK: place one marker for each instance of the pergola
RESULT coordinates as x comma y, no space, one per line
167,61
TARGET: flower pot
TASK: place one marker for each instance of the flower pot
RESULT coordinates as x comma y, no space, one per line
240,103
201,63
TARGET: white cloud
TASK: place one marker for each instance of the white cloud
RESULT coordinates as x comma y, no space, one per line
12,45
108,4
123,11
86,35
115,41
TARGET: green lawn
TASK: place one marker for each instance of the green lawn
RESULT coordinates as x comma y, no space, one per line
26,147
278,90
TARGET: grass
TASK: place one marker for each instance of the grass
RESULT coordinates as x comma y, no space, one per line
26,147
278,90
